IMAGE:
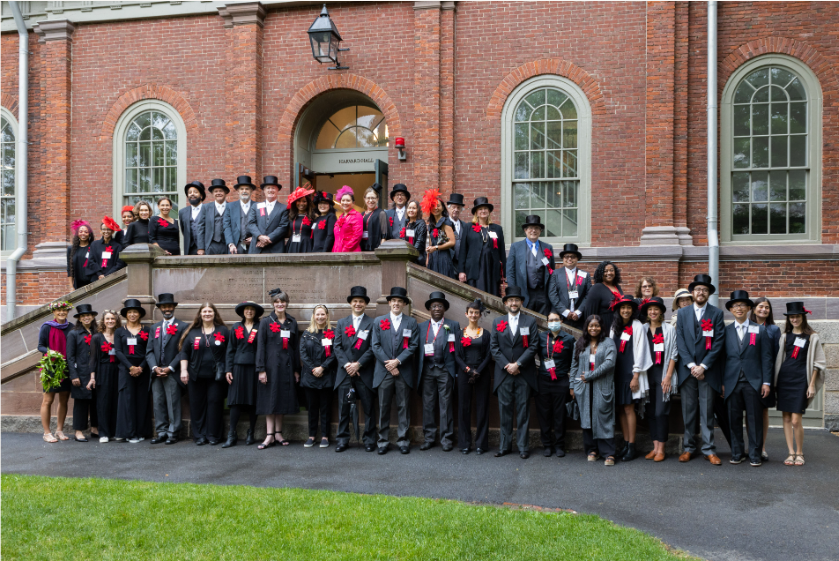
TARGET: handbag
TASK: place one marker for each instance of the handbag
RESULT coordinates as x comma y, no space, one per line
572,410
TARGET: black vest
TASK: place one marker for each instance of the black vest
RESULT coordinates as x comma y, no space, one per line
194,237
218,229
440,343
535,275
243,227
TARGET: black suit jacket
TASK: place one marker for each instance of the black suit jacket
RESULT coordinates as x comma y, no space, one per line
755,361
274,226
441,346
184,218
383,349
506,350
239,351
517,267
558,294
345,351
691,344
231,221
562,360
470,252
171,355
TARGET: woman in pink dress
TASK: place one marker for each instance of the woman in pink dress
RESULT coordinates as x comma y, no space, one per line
349,227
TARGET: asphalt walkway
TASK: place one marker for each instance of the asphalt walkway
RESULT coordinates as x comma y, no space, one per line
732,512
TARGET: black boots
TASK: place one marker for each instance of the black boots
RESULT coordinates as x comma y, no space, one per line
630,453
250,439
232,438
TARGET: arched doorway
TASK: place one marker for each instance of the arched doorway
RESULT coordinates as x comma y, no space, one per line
342,139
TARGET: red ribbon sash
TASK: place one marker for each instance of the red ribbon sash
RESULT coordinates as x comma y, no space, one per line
707,325
157,333
494,243
196,343
658,339
628,331
252,336
329,334
752,338
552,372
524,341
795,352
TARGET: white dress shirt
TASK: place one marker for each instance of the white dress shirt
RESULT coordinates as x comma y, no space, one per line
396,321
513,320
356,321
220,208
246,208
269,207
196,211
699,311
400,213
436,326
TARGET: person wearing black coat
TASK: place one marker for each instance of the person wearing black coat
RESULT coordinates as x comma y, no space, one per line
104,253
138,231
323,229
356,363
556,352
104,375
78,255
483,255
241,370
301,218
415,231
164,231
268,221
569,287
604,294
236,216
317,376
190,219
131,342
474,359
374,221
78,362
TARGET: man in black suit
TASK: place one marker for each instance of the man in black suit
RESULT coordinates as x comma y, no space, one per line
514,345
530,266
212,221
190,219
268,221
162,356
395,341
235,221
396,217
556,352
700,337
455,206
437,371
568,287
748,376
355,369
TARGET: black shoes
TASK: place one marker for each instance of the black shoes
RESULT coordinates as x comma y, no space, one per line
547,452
501,453
382,450
405,449
201,441
560,453
172,440
464,450
82,439
369,447
447,448
479,451
250,438
524,455
340,447
232,439
160,438
630,453
426,446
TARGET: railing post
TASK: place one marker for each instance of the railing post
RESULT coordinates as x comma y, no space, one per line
394,256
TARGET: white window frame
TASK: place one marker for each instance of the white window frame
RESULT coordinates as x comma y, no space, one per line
119,149
584,125
18,202
814,153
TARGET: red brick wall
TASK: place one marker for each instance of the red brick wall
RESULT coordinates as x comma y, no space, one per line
39,288
771,278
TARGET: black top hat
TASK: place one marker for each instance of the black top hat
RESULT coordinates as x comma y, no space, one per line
570,248
165,298
481,201
398,292
198,185
512,292
84,309
455,199
219,183
243,181
739,296
654,301
702,280
616,304
533,220
132,304
240,310
796,308
436,296
270,180
358,292
400,188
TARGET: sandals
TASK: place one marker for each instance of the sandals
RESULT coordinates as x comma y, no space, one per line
265,445
281,441
790,461
610,461
593,457
799,459
61,436
48,437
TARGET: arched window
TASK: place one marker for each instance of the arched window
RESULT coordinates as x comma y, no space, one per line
149,154
357,126
770,160
8,136
546,131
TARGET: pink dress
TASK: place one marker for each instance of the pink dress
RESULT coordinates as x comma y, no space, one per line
348,231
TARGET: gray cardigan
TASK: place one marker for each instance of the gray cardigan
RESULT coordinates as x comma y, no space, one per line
601,418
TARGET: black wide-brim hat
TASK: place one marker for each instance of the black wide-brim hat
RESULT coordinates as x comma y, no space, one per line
270,180
84,309
455,199
400,188
702,280
358,292
479,202
219,184
570,248
436,296
739,296
240,309
165,298
796,308
244,181
398,292
654,301
512,292
616,304
198,185
533,220
132,304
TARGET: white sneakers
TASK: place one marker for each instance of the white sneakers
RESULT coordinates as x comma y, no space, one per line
134,440
103,439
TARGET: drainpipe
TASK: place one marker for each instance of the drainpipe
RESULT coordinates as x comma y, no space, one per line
713,234
22,157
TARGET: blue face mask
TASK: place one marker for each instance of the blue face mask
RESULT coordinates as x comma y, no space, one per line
554,325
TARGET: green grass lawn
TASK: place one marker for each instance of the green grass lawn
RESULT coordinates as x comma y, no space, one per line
62,518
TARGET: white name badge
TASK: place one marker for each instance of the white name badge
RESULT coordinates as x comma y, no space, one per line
285,333
429,349
549,363
625,336
364,235
112,352
493,235
406,332
295,238
658,347
709,333
86,255
218,343
591,359
754,329
260,205
573,295
582,274
800,342
524,330
450,338
363,334
545,261
326,342
409,233
106,255
131,341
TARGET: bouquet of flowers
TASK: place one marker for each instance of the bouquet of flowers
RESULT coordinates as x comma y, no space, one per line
53,367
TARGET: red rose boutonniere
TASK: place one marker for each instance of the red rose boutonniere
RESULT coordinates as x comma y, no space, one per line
559,346
219,337
708,332
501,327
548,254
476,228
87,339
390,221
171,330
306,221
465,342
162,222
328,335
627,333
240,332
144,335
384,325
657,340
435,232
275,328
106,348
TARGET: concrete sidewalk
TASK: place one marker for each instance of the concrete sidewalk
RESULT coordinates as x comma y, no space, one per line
722,513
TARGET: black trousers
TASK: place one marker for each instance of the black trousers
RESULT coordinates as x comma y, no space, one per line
107,398
82,409
550,410
603,446
482,388
659,424
366,400
236,412
319,407
133,412
538,301
721,416
206,408
744,397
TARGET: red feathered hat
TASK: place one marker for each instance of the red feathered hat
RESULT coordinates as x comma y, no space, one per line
127,208
429,201
79,223
299,193
111,224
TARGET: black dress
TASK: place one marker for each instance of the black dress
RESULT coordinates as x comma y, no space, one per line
241,361
375,229
791,388
319,391
206,353
81,274
279,395
598,302
44,346
103,361
323,233
133,416
300,239
475,355
165,234
104,259
482,257
137,232
441,261
624,362
418,239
